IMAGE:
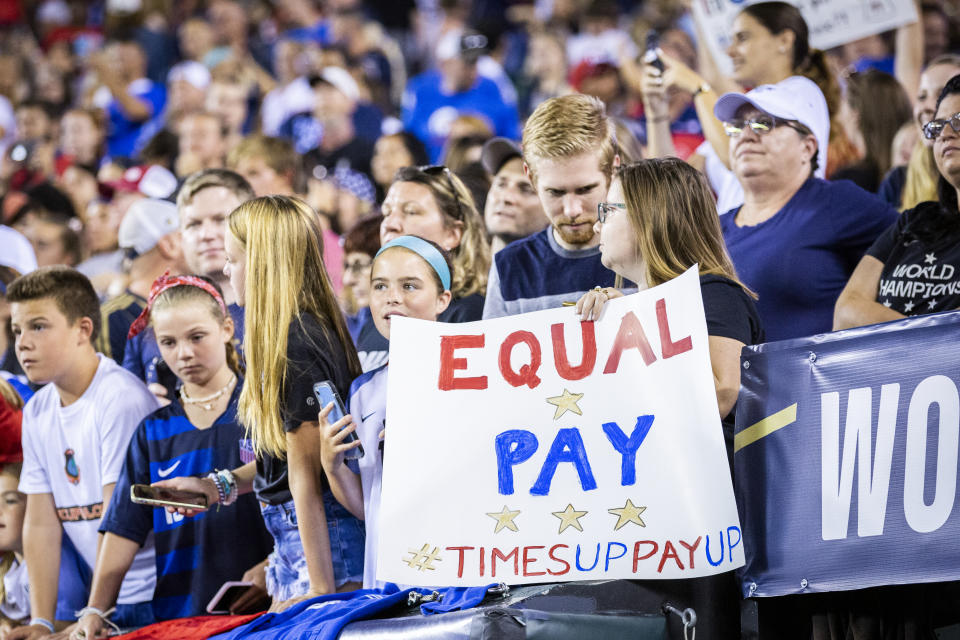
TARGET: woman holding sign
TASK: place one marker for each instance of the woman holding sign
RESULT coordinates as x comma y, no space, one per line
659,220
411,277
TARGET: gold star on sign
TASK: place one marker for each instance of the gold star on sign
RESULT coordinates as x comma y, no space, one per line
628,513
505,519
569,517
566,402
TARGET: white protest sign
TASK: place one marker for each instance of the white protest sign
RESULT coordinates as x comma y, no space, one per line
830,22
536,448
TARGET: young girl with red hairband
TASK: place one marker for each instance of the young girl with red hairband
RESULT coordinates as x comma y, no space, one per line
196,434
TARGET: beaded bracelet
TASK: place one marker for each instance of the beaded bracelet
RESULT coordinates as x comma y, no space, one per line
218,483
230,486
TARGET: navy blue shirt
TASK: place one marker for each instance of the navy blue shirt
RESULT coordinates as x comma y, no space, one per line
116,316
536,273
195,556
799,260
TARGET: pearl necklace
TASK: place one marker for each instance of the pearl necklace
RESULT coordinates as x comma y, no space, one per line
206,403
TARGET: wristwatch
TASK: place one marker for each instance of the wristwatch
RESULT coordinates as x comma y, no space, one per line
703,88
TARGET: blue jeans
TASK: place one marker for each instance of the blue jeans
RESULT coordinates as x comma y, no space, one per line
287,575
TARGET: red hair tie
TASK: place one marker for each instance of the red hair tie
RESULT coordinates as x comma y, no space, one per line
164,282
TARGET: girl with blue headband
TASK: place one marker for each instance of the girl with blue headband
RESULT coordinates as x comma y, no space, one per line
411,278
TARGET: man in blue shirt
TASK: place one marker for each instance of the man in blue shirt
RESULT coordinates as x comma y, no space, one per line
570,154
133,103
433,100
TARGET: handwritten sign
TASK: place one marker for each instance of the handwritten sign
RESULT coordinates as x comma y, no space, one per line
831,23
537,448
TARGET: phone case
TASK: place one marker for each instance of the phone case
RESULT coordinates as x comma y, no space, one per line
156,502
325,393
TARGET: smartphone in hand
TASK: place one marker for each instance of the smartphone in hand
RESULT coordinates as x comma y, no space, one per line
229,593
325,393
650,55
163,497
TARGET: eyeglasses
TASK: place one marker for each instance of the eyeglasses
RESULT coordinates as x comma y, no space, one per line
761,124
407,173
606,208
933,129
357,267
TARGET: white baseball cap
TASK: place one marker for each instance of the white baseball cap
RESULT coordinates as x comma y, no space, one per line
341,80
796,98
192,72
146,221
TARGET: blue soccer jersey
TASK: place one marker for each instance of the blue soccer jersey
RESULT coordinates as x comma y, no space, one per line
195,556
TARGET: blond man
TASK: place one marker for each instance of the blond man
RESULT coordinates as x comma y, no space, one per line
570,154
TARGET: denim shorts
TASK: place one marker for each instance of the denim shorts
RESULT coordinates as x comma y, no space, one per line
287,575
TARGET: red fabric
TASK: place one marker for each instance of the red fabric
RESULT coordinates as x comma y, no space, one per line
10,449
197,628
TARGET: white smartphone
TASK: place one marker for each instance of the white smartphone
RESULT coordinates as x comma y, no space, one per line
227,595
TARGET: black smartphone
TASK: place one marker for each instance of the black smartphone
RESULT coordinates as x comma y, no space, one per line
650,56
325,393
163,497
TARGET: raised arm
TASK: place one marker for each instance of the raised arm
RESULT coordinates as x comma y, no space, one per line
908,55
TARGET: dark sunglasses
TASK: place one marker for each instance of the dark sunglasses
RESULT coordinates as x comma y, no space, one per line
761,124
407,173
933,129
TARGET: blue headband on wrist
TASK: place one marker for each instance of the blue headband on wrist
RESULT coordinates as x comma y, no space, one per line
426,251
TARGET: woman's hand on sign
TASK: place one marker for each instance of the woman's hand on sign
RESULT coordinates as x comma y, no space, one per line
332,445
591,303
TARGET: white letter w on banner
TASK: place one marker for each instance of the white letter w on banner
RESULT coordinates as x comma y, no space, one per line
836,481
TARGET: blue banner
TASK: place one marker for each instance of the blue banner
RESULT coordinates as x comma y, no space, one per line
845,464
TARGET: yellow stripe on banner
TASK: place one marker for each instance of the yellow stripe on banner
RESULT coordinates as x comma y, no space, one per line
765,427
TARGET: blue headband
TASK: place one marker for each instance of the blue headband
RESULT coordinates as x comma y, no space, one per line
426,251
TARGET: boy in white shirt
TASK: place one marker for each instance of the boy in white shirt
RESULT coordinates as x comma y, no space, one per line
76,431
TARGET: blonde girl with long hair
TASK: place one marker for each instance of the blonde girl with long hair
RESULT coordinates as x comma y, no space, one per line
295,336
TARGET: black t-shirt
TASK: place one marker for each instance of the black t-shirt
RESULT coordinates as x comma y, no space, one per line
354,155
864,174
313,355
730,313
920,253
463,309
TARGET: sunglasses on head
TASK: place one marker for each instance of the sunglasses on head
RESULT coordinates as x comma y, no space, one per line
933,129
406,173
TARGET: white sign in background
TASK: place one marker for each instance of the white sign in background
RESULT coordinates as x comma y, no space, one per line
613,470
831,22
